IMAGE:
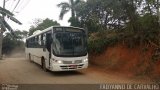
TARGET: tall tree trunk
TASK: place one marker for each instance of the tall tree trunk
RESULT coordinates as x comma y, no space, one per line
1,39
72,9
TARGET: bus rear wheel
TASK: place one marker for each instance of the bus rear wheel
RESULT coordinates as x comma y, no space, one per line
43,64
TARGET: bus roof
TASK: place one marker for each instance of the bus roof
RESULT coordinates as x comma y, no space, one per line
50,28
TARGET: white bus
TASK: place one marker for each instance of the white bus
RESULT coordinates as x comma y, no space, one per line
58,48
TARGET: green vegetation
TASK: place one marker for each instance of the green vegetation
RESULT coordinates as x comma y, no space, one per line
131,23
40,24
70,6
11,42
16,40
112,21
4,25
98,42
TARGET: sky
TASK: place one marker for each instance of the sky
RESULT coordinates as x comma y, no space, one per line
28,10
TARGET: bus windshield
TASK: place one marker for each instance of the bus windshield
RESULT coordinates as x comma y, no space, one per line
69,44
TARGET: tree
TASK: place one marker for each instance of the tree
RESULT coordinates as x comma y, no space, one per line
115,14
131,21
10,43
42,24
101,14
69,6
20,35
4,25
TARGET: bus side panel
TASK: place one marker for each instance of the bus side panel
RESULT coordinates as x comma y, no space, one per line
36,54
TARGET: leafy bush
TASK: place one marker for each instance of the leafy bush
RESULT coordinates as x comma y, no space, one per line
98,45
10,42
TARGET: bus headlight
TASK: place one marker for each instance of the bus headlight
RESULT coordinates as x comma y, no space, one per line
85,60
58,61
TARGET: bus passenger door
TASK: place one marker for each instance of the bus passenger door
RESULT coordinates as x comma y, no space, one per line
48,49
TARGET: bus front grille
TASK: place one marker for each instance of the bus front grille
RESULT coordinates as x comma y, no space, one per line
70,67
72,62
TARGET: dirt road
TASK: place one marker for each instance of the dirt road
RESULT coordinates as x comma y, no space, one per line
21,71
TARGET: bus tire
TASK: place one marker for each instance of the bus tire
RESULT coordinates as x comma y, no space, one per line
29,57
43,64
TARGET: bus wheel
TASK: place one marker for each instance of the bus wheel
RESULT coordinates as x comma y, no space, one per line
43,64
29,57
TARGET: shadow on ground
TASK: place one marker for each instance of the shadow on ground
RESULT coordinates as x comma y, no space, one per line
66,73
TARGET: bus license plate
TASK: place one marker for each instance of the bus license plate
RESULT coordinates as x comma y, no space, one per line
73,66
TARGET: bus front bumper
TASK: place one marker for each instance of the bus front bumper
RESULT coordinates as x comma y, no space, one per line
68,67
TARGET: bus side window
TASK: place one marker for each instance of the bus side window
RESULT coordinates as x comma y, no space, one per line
36,41
27,43
42,42
44,39
33,42
39,40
